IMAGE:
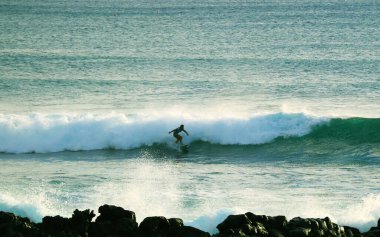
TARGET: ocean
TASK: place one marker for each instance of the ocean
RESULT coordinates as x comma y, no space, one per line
280,100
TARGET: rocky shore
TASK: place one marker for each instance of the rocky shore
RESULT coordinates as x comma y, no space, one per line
114,221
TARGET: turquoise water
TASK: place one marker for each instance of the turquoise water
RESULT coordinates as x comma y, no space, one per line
280,100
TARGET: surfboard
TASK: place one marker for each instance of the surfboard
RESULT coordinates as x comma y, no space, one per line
184,148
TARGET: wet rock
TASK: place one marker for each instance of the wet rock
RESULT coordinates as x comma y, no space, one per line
175,222
299,222
56,225
373,232
275,233
299,232
114,221
352,232
241,225
80,221
257,218
322,224
261,230
111,213
317,233
155,226
277,222
12,225
329,224
120,227
234,222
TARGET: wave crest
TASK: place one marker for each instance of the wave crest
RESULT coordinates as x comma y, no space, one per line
44,133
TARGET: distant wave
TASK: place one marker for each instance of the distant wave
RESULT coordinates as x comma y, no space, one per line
43,133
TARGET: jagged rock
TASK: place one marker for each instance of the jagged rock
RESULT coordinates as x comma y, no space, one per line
352,232
12,225
80,221
275,233
277,222
329,224
187,231
155,226
373,232
234,222
257,218
55,224
299,222
322,224
261,230
114,221
120,227
317,233
111,213
175,222
299,232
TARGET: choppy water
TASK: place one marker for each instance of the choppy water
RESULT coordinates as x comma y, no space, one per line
280,100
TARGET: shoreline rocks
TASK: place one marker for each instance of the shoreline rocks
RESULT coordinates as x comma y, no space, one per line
114,221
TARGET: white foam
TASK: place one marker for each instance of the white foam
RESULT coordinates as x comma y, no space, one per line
21,206
209,222
43,133
362,215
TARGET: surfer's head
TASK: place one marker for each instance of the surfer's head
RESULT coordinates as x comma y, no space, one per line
182,126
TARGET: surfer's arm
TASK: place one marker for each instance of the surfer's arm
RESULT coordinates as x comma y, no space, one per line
186,132
171,131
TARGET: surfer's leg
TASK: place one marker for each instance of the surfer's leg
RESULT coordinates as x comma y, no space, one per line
179,138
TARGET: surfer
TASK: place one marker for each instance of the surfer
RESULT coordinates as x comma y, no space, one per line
178,130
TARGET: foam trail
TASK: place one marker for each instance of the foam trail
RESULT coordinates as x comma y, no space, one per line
43,133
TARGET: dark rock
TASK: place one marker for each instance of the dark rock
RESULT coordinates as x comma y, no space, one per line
261,230
120,227
55,224
187,231
299,232
114,221
277,222
299,222
12,225
257,218
329,224
352,232
234,222
155,226
80,221
314,224
248,229
322,224
317,233
275,233
111,213
175,222
374,232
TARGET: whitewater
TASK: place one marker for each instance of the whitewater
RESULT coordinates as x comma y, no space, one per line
280,100
59,132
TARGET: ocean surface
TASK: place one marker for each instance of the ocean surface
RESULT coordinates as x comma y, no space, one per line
280,99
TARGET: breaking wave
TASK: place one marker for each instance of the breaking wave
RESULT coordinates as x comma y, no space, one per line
43,133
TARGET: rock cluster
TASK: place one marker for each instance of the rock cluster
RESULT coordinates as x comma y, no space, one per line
114,221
